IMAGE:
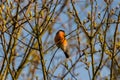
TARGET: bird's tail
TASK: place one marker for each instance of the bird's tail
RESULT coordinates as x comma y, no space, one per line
67,54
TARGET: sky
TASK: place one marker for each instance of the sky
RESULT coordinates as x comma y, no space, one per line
82,14
83,74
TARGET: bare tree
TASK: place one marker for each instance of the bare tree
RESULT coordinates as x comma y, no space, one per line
28,51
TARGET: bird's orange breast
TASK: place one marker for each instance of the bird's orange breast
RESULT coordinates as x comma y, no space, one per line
60,39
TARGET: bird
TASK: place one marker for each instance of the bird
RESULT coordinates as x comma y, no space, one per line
61,42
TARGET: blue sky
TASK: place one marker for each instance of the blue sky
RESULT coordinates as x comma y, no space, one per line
83,74
80,67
